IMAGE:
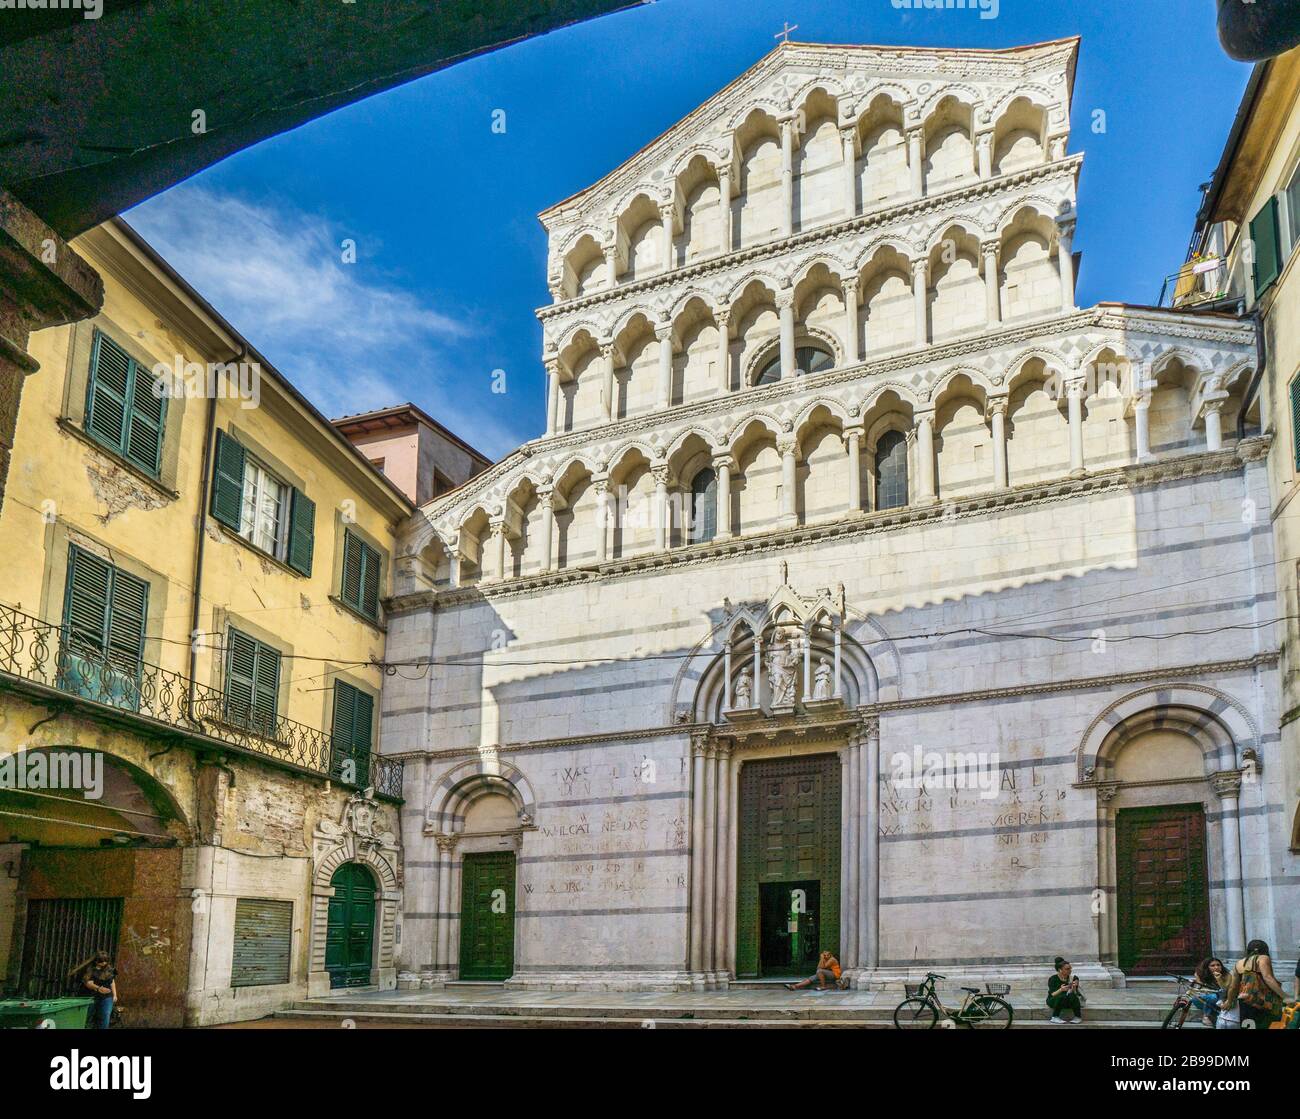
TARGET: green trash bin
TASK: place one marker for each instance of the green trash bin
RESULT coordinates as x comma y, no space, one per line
30,1014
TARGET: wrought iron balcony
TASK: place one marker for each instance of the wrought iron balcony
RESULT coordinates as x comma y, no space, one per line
48,656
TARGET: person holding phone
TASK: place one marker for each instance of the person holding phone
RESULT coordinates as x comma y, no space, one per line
1064,997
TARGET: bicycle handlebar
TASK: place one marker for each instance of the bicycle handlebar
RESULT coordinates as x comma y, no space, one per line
935,975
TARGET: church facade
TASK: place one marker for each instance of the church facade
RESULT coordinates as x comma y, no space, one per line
864,593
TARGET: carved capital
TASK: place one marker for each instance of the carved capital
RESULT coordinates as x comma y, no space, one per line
1227,783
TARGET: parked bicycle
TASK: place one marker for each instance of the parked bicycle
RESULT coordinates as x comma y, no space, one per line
923,1007
1183,1003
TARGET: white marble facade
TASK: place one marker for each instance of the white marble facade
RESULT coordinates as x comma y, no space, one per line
819,391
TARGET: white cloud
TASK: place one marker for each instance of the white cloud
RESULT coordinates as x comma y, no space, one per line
347,335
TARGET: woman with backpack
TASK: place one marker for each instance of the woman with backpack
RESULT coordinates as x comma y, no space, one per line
1258,993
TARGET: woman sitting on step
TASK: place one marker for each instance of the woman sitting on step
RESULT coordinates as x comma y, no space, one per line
1063,994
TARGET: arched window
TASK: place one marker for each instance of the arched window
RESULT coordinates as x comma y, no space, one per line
891,470
704,506
807,359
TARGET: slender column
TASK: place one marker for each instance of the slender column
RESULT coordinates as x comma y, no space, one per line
552,395
758,671
698,749
869,850
1213,425
498,550
915,154
849,136
998,420
669,214
839,629
710,854
789,480
732,846
925,458
719,846
785,307
1142,422
992,295
1228,786
601,486
848,859
442,923
852,340
722,316
723,464
546,498
661,507
611,263
726,676
1064,251
984,144
664,332
607,352
807,664
920,281
724,207
787,176
1074,391
453,562
853,442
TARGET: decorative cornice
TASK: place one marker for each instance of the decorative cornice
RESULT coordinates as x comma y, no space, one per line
1196,464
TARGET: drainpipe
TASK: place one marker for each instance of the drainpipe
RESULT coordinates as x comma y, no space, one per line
1261,357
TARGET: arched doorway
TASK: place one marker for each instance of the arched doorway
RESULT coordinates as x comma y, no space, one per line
350,930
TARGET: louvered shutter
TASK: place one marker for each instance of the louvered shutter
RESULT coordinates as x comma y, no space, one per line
126,619
370,582
86,601
148,411
352,561
241,668
1265,236
1295,419
266,688
344,717
107,395
228,481
302,532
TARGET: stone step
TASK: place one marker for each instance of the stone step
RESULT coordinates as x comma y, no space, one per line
808,1008
552,1022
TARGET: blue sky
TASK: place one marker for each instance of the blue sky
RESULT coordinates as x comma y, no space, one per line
451,259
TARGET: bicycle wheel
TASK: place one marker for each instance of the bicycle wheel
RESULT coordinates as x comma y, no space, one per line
915,1014
1176,1017
988,1012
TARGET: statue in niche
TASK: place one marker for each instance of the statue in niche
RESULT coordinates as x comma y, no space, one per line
823,680
781,673
742,695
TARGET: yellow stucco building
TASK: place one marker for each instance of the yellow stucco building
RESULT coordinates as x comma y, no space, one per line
192,626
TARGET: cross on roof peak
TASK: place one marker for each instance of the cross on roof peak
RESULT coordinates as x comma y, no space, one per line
784,33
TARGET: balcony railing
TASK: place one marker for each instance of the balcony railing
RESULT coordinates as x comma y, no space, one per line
45,654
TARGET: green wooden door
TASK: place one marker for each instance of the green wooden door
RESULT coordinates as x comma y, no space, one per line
487,916
789,842
350,934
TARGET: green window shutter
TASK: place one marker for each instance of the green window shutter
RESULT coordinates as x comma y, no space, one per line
85,610
228,481
148,415
1295,419
353,730
126,619
122,410
1265,236
252,683
108,392
302,532
361,570
241,671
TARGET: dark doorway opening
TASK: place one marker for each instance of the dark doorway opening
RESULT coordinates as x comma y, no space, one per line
790,935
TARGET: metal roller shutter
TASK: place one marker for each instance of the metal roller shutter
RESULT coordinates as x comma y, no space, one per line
263,938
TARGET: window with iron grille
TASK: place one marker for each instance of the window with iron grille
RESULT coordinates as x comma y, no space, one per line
252,683
123,411
361,572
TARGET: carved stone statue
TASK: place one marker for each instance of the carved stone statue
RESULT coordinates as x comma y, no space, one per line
823,680
742,695
780,673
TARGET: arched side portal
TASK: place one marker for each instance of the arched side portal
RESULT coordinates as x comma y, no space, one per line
1166,766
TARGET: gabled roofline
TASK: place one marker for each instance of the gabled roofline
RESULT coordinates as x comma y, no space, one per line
1074,40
